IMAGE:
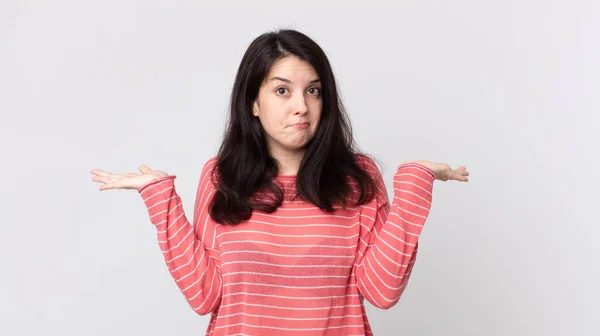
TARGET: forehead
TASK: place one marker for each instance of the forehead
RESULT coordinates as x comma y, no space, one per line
292,66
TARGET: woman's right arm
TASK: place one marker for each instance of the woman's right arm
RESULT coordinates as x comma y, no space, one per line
189,250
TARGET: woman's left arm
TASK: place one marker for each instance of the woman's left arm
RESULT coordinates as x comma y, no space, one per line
394,229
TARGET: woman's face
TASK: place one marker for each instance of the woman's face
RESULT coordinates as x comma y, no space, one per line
289,105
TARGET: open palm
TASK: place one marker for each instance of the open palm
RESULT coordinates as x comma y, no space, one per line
444,172
126,181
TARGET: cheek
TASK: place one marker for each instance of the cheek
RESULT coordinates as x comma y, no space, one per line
317,115
317,109
274,122
269,115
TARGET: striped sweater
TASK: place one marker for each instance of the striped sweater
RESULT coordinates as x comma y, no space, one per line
298,270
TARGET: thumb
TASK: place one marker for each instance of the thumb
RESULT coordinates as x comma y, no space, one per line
145,169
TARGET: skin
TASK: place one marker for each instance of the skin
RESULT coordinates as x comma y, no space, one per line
289,95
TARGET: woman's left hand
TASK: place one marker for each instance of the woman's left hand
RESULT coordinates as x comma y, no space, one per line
444,172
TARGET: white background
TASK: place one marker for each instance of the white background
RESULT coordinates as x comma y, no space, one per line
507,88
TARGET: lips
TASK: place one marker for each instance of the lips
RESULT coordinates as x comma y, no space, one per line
300,125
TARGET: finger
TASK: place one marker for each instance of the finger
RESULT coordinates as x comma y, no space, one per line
101,179
100,172
107,176
111,184
145,169
459,176
107,187
463,173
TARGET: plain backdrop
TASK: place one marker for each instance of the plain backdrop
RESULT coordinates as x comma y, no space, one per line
508,88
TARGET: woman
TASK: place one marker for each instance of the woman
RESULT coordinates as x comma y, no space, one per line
292,227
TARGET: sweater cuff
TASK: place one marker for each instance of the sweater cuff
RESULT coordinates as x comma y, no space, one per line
426,169
155,181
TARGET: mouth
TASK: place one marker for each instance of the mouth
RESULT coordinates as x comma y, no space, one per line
300,125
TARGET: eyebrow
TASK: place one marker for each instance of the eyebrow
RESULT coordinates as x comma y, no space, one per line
289,81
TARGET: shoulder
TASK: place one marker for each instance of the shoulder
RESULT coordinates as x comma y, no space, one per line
206,185
206,175
210,164
371,166
368,164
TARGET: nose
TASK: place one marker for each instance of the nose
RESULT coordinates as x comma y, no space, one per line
300,105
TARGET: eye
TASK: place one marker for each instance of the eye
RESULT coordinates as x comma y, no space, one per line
281,90
314,90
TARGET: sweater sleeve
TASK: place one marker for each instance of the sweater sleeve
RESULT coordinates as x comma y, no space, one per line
190,251
390,232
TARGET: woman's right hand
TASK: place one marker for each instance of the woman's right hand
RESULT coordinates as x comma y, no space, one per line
126,181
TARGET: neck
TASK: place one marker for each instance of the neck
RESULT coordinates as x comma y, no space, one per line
288,161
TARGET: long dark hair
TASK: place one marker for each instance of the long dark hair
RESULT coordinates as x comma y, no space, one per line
244,165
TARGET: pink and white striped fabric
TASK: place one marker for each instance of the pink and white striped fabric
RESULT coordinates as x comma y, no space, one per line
299,270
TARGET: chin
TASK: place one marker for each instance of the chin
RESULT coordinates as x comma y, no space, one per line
296,147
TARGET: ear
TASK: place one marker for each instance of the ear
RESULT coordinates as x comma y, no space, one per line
255,108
